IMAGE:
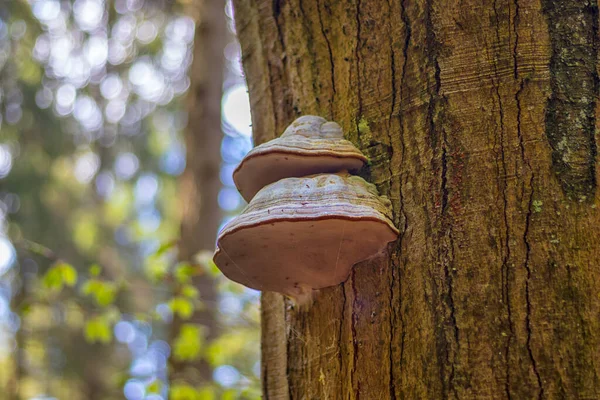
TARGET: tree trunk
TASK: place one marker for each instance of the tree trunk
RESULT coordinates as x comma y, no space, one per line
200,183
479,120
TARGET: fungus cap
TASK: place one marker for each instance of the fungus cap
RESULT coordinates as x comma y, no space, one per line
310,145
305,233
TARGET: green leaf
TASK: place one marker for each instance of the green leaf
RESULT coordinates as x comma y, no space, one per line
165,247
181,306
188,343
53,279
95,270
24,309
156,269
97,330
205,260
190,292
184,392
207,393
103,292
233,345
112,315
69,274
229,394
184,272
59,275
85,231
251,393
154,387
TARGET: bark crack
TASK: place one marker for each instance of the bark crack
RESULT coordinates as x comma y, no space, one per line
527,295
354,317
392,324
447,263
330,58
341,330
267,67
288,346
392,109
401,211
265,383
310,41
278,25
519,133
357,56
435,110
528,216
407,38
432,46
393,70
393,265
516,21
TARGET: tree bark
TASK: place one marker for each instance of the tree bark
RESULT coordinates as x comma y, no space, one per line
479,119
200,183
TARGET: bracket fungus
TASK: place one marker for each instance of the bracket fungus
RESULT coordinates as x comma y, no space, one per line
300,234
310,145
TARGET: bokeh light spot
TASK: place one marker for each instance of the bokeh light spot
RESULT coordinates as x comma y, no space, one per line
7,254
236,109
226,375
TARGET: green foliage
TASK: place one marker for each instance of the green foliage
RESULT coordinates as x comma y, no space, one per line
184,272
230,394
98,330
59,275
95,270
233,345
165,247
205,259
186,392
74,204
156,269
189,342
190,292
118,207
251,393
182,306
103,292
228,286
246,394
85,232
154,387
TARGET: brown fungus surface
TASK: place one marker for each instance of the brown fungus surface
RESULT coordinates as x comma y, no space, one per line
305,233
310,145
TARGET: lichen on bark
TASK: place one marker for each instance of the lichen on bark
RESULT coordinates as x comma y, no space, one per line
571,108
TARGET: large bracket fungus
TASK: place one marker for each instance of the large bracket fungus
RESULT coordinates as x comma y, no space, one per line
310,145
304,227
305,233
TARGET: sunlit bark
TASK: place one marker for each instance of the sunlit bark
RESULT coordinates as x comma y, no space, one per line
479,120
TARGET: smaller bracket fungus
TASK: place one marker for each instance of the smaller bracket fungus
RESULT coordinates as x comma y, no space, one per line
310,145
299,234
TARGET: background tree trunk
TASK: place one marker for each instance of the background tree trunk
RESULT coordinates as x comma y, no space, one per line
200,183
479,119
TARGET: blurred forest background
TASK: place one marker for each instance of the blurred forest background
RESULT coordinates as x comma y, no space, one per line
121,122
